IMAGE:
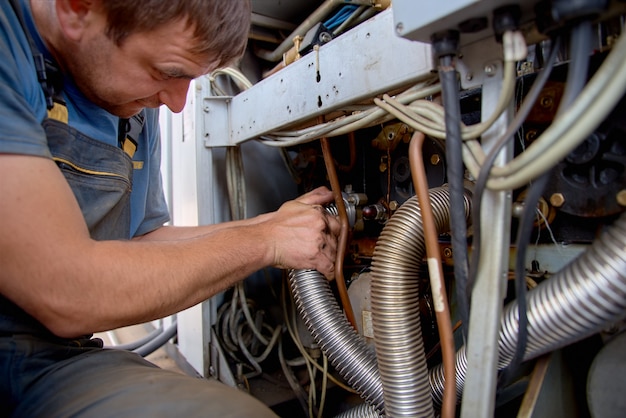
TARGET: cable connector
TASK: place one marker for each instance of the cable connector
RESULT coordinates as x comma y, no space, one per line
514,46
445,43
555,15
506,19
567,11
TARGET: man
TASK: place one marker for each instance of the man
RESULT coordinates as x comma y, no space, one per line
82,243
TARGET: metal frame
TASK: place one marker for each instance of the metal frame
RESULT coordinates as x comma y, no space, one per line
490,287
466,16
366,61
194,199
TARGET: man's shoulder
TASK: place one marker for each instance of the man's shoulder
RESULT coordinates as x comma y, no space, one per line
23,106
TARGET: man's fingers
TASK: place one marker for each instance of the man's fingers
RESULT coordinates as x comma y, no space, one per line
333,225
318,196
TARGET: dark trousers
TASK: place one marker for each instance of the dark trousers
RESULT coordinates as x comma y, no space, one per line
41,378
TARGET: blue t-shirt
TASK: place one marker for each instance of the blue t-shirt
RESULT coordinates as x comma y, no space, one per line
23,108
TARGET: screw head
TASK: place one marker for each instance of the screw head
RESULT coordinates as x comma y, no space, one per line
557,200
517,209
325,37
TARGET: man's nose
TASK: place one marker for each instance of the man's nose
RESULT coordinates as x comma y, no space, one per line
174,95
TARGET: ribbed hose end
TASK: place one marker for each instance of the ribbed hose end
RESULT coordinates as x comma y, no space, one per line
345,348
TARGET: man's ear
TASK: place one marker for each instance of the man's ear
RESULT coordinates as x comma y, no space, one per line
77,16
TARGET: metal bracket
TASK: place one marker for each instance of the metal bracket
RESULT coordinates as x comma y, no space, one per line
364,62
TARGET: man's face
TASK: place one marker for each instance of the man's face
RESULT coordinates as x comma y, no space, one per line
148,69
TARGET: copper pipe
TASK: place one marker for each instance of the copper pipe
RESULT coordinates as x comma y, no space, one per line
435,271
343,234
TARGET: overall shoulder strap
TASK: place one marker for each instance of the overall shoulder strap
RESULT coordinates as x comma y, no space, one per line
51,81
128,132
48,73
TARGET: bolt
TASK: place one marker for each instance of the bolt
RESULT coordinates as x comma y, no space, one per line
447,252
490,70
546,102
517,209
557,200
435,159
393,205
531,135
400,28
469,76
325,37
621,197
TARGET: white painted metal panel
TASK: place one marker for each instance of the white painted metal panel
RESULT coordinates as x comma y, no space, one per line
368,60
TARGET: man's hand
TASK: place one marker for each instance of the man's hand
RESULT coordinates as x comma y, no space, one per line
304,234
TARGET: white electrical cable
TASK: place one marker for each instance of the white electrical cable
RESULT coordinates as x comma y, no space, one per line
473,154
234,73
415,111
345,124
571,128
562,137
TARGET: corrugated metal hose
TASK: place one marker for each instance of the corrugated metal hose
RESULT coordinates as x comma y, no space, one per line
581,299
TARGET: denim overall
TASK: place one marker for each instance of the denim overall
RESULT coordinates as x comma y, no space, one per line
100,176
42,375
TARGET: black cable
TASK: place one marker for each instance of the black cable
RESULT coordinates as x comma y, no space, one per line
456,176
524,231
580,46
481,181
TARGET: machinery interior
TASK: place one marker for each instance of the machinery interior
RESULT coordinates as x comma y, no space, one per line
476,152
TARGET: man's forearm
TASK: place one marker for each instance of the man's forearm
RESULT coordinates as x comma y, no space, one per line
176,233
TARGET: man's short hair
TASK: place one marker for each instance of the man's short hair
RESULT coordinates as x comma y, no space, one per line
220,26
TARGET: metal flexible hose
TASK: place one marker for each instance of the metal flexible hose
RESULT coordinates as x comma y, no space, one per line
343,346
395,306
363,410
577,302
585,296
437,379
580,300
